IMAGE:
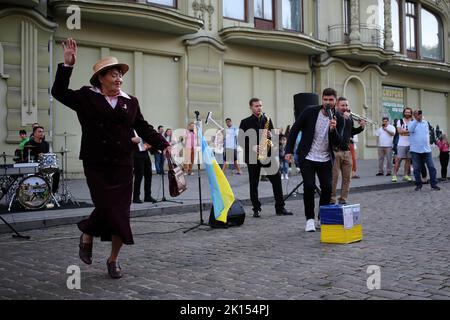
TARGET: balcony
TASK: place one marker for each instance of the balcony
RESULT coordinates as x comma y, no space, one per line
21,3
369,47
276,40
131,15
419,67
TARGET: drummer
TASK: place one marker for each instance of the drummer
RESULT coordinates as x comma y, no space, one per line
36,146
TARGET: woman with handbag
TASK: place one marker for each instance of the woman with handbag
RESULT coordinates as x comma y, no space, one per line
107,116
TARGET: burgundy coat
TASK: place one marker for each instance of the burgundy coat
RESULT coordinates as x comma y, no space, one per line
106,132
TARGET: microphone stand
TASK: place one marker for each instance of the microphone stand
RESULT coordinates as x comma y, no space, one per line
198,126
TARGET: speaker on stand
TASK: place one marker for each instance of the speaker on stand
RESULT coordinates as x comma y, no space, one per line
301,102
304,100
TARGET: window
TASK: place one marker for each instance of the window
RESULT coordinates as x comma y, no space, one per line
431,36
292,14
264,13
234,9
169,3
410,25
395,18
264,9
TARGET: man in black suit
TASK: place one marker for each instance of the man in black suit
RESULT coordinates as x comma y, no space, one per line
249,140
321,130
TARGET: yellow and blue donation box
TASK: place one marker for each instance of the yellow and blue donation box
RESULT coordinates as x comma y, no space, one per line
340,223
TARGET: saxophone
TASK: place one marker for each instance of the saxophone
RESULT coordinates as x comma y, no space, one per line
265,142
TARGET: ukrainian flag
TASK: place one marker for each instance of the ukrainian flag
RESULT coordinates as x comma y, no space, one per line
221,194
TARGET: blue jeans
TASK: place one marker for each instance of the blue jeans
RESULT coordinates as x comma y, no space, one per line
419,160
284,166
159,163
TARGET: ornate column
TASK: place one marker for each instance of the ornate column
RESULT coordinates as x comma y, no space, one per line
388,43
354,22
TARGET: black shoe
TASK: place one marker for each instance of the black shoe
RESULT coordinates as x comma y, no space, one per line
283,212
114,269
85,251
256,213
342,202
379,174
388,174
150,199
436,188
137,201
418,189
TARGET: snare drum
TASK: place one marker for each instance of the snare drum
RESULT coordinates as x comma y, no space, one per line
33,192
48,163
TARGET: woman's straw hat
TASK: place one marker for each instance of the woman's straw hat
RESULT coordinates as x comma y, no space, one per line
106,63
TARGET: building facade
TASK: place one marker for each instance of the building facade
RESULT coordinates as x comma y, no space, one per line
214,55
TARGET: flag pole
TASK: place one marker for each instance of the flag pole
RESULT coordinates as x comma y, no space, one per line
198,125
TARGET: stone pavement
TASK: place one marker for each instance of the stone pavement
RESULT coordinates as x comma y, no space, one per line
405,233
27,220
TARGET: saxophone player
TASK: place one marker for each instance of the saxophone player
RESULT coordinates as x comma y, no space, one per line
255,140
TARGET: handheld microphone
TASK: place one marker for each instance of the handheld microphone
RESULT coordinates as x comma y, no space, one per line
196,114
328,111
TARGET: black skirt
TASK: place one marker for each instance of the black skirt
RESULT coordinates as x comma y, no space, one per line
111,190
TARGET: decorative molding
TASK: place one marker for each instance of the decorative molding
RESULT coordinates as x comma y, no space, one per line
201,9
354,22
40,21
208,40
29,83
332,60
2,70
388,42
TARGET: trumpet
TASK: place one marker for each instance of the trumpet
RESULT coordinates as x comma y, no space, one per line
357,117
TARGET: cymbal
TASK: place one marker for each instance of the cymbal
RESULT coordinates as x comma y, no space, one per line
65,134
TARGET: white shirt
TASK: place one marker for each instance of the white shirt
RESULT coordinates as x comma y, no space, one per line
403,141
384,138
320,151
111,100
231,137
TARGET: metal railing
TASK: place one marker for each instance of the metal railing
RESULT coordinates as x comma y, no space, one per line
370,35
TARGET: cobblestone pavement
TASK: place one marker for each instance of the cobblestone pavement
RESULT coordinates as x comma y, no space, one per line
406,234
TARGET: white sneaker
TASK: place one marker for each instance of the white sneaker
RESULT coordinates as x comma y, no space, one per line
286,176
282,176
318,224
310,227
298,170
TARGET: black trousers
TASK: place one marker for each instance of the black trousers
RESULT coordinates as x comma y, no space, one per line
254,171
142,169
309,170
443,158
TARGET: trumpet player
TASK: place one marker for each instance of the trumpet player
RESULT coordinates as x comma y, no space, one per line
254,146
343,158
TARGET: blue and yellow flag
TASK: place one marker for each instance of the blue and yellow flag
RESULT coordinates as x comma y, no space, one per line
221,194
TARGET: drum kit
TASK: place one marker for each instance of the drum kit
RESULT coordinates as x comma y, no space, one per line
29,183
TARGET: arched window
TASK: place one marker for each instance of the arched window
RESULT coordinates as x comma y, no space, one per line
431,36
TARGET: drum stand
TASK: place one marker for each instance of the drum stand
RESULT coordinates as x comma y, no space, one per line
66,195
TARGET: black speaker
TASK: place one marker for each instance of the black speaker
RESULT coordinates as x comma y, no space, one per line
235,216
303,100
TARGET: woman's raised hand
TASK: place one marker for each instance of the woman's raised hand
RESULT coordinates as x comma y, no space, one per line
70,51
